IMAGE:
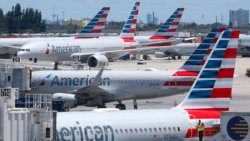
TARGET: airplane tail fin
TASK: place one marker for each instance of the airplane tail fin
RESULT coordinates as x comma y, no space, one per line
212,88
129,28
168,29
196,60
94,28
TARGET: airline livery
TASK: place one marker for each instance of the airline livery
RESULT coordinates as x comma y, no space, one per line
98,52
95,88
91,30
209,95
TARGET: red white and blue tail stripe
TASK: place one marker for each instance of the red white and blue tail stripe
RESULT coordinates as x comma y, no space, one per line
212,88
196,60
95,26
129,28
168,29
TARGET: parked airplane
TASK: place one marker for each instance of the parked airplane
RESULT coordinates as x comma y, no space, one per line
98,52
209,96
95,52
93,88
93,29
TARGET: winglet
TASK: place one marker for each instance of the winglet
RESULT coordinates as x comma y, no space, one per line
168,29
95,26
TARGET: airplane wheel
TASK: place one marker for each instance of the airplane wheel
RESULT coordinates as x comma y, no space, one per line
121,106
101,106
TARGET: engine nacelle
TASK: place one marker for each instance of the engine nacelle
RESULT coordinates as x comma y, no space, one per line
160,55
97,61
69,99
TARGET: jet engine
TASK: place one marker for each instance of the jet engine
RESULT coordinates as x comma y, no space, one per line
69,99
97,61
160,54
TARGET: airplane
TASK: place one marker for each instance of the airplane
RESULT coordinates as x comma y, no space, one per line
95,88
209,95
97,52
10,46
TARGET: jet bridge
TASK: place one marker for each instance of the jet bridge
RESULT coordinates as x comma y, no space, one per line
36,121
15,77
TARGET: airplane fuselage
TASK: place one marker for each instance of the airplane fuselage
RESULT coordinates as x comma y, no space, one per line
63,49
122,85
142,125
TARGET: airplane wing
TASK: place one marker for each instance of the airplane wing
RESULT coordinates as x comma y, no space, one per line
9,49
11,46
116,54
93,90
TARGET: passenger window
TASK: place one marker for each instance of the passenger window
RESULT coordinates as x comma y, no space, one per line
165,129
140,130
178,128
174,129
121,131
116,131
150,130
145,129
131,130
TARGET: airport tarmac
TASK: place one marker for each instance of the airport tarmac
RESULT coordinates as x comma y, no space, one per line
240,94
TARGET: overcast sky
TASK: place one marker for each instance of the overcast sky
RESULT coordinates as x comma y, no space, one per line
200,11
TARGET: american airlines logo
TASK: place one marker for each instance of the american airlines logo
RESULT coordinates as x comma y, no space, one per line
77,81
43,81
68,49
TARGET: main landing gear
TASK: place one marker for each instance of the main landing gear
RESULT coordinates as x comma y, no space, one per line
120,106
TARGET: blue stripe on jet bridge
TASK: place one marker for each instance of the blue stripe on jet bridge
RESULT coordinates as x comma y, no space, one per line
211,35
213,64
222,44
203,46
227,34
191,62
207,41
209,74
196,57
199,52
200,94
218,54
204,84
